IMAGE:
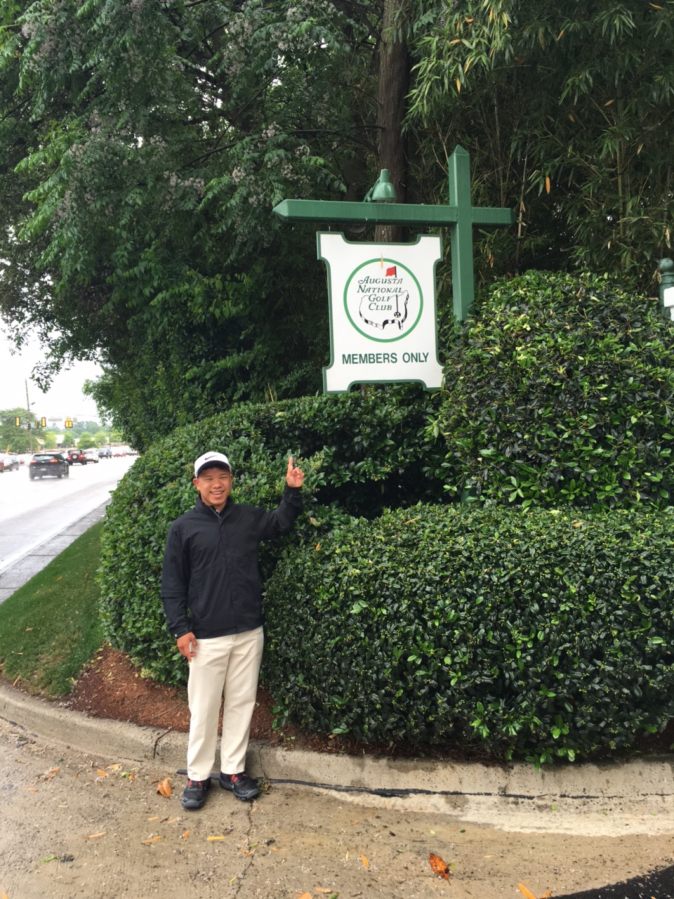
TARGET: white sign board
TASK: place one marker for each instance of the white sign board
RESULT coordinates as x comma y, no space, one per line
382,311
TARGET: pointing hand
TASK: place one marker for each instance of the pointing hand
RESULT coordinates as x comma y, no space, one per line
294,476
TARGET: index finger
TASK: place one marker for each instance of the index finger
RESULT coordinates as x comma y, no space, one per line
291,459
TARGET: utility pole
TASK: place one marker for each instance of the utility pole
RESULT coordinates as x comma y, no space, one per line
28,424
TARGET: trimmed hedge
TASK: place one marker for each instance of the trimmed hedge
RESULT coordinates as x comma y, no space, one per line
561,391
537,634
360,453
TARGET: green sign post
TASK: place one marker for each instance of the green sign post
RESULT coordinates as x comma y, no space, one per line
460,216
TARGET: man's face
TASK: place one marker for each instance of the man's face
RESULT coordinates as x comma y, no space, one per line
214,485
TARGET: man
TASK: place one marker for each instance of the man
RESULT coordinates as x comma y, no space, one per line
211,566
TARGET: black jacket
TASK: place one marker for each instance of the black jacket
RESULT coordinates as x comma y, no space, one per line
211,566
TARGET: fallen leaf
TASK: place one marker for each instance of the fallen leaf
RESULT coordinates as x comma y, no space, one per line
353,823
215,839
525,892
49,858
232,881
547,185
151,840
305,896
438,866
273,849
172,821
164,787
101,773
4,896
154,818
246,852
30,629
186,834
346,857
32,789
113,767
92,836
321,890
365,861
549,893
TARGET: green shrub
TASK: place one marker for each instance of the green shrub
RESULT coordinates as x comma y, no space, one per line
533,633
360,453
561,391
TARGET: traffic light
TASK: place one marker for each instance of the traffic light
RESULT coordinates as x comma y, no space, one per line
43,422
17,422
69,422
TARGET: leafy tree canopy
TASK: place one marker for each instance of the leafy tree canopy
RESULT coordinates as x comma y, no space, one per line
144,145
567,110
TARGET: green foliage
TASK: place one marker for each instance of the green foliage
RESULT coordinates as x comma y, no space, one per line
50,627
86,440
360,454
143,149
538,634
566,109
18,440
560,391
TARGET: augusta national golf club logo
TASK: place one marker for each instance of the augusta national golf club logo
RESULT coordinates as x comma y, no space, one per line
383,300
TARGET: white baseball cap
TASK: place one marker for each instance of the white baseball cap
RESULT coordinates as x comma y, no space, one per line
208,460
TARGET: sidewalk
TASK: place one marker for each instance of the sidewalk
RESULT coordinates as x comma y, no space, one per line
28,565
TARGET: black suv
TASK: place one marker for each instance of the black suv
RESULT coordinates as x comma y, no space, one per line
44,465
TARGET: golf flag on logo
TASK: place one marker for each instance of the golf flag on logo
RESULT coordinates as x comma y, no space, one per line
391,272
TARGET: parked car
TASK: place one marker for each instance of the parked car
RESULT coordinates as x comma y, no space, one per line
91,456
48,464
75,455
105,453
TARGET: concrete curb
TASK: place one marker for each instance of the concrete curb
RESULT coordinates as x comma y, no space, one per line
640,779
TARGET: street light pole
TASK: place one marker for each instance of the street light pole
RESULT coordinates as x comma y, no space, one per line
30,430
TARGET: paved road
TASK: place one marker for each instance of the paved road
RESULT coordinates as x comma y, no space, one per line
31,512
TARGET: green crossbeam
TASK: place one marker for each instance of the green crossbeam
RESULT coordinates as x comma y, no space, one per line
460,216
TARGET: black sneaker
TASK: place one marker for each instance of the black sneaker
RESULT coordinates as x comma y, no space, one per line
194,794
243,787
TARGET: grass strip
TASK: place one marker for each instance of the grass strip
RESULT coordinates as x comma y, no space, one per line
50,627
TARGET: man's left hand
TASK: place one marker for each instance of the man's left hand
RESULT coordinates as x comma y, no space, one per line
294,476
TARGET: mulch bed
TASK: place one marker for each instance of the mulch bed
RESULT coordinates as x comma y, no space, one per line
111,687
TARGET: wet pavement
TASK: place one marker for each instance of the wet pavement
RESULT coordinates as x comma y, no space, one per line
86,825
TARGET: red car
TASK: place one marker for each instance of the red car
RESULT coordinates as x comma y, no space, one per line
76,456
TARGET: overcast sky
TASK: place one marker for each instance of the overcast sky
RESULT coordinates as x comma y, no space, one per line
65,397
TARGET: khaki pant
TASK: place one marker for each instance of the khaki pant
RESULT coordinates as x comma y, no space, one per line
230,664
